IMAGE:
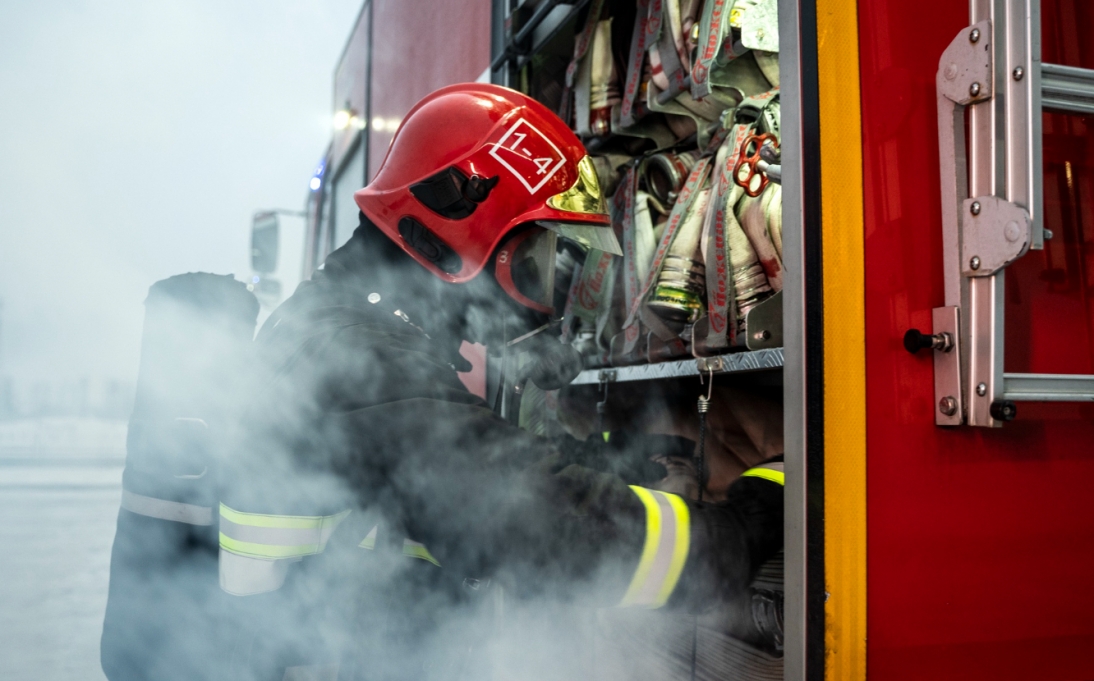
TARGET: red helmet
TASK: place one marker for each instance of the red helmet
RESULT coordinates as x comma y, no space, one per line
470,164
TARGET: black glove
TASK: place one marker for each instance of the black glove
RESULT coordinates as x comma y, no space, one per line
626,454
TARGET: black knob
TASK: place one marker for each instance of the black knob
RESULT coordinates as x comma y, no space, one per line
1003,410
914,341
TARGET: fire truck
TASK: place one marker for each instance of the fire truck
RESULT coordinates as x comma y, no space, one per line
931,162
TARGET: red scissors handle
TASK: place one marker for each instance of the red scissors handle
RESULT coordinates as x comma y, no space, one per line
745,173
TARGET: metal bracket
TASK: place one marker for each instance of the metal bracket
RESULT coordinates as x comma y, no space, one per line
994,233
964,78
764,324
964,70
713,365
949,407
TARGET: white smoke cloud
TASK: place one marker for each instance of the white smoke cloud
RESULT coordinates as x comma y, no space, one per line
136,139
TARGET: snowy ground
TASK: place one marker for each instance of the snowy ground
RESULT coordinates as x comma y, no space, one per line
60,486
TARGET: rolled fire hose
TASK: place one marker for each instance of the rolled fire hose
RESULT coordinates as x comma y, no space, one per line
597,87
753,220
750,283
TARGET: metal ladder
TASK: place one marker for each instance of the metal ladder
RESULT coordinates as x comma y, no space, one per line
992,206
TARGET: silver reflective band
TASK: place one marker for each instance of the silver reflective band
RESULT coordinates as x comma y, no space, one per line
166,510
247,576
315,537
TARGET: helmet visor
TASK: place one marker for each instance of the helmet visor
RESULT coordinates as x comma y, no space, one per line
599,237
526,269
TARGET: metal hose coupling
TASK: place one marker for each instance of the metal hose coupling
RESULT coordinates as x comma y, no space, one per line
678,296
682,283
664,174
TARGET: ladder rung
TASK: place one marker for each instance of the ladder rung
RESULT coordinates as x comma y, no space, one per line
1048,387
1067,89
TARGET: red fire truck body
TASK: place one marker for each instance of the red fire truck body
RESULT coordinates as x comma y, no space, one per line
397,53
978,541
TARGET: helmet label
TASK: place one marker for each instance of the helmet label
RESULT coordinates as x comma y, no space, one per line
528,154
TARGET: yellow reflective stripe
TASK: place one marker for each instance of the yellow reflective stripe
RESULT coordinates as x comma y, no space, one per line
275,536
767,474
253,550
664,552
649,549
369,542
413,549
296,522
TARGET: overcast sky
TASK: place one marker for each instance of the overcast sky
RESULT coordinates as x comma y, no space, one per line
136,140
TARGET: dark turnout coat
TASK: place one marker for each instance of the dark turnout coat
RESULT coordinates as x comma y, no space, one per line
354,409
359,431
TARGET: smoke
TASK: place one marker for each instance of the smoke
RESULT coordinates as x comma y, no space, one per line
136,140
349,409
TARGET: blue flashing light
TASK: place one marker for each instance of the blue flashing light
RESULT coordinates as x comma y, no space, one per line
317,177
255,279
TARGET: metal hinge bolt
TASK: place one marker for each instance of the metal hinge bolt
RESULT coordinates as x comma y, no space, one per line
974,262
1018,72
974,35
947,405
982,389
974,89
974,208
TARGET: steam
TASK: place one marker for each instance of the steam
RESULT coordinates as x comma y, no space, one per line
367,415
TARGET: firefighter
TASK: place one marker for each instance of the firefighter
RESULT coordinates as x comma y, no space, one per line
361,441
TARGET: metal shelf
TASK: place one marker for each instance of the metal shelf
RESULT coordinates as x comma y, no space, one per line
739,362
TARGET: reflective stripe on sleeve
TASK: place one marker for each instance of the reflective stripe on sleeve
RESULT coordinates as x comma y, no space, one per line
369,542
162,509
769,471
413,549
668,535
275,536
